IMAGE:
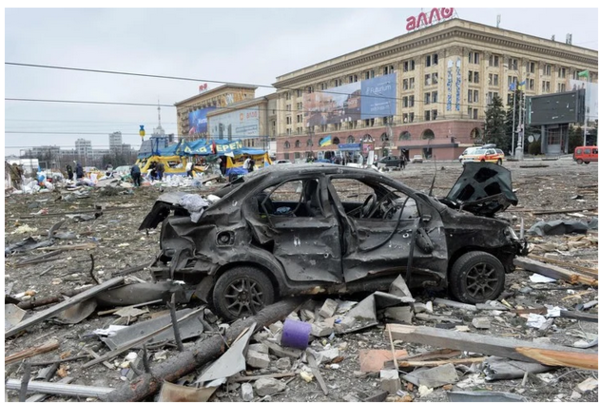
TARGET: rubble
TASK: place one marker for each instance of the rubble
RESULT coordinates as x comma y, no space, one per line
119,251
268,386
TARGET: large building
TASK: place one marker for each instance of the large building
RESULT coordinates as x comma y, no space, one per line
425,92
192,122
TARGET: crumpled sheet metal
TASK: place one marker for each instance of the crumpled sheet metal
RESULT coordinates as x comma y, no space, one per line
498,368
138,293
484,397
194,204
191,327
77,312
27,245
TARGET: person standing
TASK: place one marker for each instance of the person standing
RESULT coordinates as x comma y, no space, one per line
152,170
251,165
246,165
79,171
160,170
70,172
189,168
136,175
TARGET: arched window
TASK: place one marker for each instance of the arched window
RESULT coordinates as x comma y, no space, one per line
475,133
286,144
350,139
367,137
309,142
385,137
428,134
405,136
297,143
336,140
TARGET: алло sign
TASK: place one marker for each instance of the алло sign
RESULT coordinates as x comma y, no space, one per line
422,20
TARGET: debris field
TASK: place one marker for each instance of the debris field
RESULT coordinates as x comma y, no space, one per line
67,340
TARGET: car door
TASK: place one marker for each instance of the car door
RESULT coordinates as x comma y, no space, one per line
378,244
304,232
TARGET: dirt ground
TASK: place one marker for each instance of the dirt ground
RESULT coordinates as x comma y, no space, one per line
116,244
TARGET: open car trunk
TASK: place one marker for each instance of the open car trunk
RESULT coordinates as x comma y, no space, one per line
483,189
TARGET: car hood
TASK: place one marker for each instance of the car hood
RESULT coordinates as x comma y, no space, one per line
482,189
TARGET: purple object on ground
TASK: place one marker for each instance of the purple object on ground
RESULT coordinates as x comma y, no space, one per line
295,334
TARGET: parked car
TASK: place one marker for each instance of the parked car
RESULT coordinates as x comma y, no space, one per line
328,228
468,151
585,154
282,162
482,154
417,159
389,161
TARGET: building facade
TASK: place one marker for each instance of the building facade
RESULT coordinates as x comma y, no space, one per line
192,113
115,142
441,78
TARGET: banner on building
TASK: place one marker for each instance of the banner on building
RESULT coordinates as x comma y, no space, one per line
243,123
366,99
198,120
591,98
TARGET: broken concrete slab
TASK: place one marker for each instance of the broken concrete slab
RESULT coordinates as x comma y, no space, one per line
247,392
587,386
321,329
454,304
481,323
259,347
399,288
402,314
325,356
390,380
281,352
434,377
328,308
364,314
269,386
257,359
283,363
12,315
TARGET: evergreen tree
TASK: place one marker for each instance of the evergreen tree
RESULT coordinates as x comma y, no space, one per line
495,125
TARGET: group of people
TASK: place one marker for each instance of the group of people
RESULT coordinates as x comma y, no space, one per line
156,170
78,171
249,164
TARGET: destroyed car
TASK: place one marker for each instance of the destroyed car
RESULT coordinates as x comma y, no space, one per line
328,228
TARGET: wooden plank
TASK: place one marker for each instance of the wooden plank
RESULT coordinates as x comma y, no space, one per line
50,312
500,346
457,361
31,352
553,271
587,270
586,317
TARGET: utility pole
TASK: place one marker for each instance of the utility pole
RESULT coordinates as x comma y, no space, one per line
512,143
519,151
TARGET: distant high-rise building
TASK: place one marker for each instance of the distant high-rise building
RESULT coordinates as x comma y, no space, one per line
115,142
83,148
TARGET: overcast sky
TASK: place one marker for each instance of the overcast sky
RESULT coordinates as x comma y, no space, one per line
228,45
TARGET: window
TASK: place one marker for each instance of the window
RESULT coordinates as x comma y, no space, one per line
309,143
323,86
288,131
473,113
513,64
411,101
531,67
434,114
352,78
562,72
530,84
434,97
323,128
405,102
310,89
427,115
369,74
473,77
405,84
295,198
286,145
434,78
490,97
494,60
286,156
411,83
288,120
427,98
299,118
337,126
408,118
298,106
388,70
546,87
369,122
470,96
353,124
431,60
297,145
409,65
350,139
561,87
288,107
493,79
287,96
474,57
299,93
337,82
427,79
548,70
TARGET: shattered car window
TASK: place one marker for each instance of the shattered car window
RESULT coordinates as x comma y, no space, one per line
296,198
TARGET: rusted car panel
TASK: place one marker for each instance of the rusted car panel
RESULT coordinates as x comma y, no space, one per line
254,245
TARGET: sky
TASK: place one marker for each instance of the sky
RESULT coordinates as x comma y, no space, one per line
251,46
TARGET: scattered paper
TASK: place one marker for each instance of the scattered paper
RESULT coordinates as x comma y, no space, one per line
538,278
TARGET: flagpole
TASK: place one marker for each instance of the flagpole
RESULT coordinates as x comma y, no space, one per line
512,144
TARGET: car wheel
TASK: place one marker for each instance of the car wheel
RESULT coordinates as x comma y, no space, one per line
482,161
242,291
499,162
587,162
579,161
476,277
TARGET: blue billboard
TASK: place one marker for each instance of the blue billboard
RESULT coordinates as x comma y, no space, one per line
366,99
199,121
378,97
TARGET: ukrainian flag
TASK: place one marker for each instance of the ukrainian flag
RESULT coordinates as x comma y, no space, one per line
522,85
326,141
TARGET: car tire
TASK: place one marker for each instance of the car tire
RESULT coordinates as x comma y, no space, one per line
499,162
587,162
579,161
476,277
482,161
242,291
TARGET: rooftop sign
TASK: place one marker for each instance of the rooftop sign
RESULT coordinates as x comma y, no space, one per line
423,20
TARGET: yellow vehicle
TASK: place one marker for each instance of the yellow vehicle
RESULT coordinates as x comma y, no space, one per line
494,155
174,164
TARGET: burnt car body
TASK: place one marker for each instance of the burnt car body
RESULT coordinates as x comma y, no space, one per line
342,230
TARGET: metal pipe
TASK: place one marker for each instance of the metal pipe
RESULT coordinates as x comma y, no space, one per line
54,388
